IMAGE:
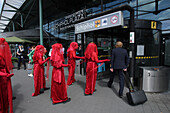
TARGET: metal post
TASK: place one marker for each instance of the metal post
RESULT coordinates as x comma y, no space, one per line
75,37
112,41
132,45
137,9
95,38
41,22
101,5
156,6
13,26
22,21
82,51
9,28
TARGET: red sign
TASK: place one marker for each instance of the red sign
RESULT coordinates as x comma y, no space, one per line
114,19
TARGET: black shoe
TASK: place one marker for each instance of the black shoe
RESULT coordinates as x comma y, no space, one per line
18,68
68,100
41,91
24,68
13,98
87,94
46,88
120,96
109,85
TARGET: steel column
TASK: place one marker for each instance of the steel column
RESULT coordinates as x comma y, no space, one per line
41,22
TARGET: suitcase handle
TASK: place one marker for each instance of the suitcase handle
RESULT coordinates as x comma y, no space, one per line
127,79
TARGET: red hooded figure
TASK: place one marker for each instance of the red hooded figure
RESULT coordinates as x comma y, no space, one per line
5,78
91,55
39,78
58,85
71,54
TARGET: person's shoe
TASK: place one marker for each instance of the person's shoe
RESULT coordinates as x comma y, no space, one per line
68,100
13,98
30,75
47,88
109,85
120,96
87,94
18,68
25,68
41,91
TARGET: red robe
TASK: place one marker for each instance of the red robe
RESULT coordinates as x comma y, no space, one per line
5,89
39,77
91,75
71,54
72,61
91,55
58,85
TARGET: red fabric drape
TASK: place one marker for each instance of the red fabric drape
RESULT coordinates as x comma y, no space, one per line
5,81
71,54
58,85
91,55
39,77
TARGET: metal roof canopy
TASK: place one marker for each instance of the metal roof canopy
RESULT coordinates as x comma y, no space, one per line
24,14
9,9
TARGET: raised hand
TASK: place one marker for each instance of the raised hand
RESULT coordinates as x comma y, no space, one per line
10,75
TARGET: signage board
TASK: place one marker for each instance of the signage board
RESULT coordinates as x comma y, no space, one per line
102,22
132,37
67,21
153,25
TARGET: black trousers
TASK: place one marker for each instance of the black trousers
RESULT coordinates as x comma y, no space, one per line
19,62
121,80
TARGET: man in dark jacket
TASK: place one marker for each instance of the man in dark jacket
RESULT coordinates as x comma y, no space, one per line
20,53
119,63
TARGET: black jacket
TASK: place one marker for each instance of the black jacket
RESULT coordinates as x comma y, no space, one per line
119,59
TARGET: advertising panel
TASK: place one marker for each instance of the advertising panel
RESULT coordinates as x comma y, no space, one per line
106,21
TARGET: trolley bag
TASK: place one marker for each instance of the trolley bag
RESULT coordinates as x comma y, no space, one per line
29,69
134,97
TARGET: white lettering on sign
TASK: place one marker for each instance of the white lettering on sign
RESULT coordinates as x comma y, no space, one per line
84,26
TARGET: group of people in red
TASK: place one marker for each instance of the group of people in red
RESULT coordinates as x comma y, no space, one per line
58,84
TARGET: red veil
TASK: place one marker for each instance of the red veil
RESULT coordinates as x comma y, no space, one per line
73,47
39,51
57,51
90,51
5,52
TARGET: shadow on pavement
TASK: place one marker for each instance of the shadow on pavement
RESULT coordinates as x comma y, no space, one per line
81,84
19,98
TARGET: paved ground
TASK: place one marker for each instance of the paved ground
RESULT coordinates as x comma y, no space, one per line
104,100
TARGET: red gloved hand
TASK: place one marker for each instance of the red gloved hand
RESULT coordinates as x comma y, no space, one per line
10,75
107,60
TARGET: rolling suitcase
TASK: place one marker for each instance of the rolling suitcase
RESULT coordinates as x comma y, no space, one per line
134,97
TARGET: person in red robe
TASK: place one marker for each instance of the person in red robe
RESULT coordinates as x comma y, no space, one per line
39,77
91,55
58,84
71,54
5,78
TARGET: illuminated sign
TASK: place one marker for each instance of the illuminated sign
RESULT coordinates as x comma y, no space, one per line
153,25
106,21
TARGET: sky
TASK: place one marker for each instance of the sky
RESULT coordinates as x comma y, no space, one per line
1,2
